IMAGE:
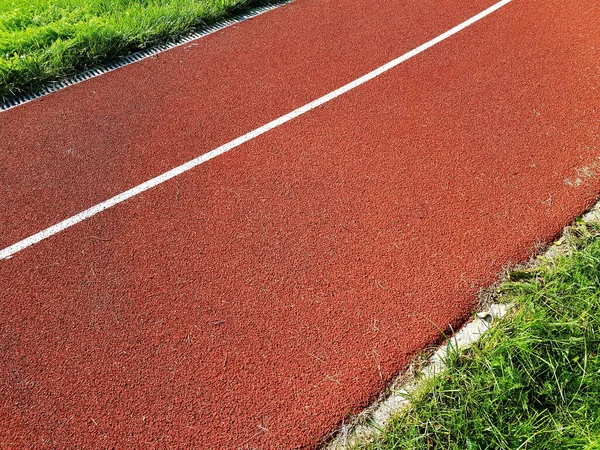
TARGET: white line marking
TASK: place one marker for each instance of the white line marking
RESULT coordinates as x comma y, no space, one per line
83,215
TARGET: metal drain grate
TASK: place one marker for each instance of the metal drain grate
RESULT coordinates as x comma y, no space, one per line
137,56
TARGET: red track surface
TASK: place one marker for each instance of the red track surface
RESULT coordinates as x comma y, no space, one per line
259,298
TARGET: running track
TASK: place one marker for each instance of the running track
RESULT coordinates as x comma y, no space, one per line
256,300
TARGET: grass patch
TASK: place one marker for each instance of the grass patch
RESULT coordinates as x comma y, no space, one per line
533,381
45,40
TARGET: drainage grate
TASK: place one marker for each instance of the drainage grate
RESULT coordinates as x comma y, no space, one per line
137,56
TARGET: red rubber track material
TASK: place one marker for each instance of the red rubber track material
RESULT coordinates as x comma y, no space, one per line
255,301
79,146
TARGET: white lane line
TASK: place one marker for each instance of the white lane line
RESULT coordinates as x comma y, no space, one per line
83,215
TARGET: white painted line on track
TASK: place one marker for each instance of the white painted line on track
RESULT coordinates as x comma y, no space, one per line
83,215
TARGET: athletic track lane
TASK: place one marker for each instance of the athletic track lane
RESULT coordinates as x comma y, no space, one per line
255,301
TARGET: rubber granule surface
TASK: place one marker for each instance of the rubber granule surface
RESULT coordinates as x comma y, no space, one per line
257,300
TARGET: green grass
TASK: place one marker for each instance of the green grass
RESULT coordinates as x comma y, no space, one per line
533,381
45,40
